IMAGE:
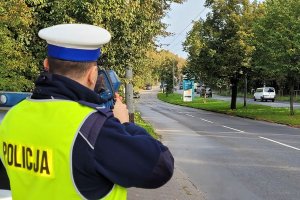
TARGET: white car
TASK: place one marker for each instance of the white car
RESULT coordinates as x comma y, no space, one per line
265,94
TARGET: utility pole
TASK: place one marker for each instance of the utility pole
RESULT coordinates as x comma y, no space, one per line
129,94
173,77
245,90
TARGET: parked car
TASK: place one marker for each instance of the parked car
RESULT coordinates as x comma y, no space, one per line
180,86
196,85
136,95
148,87
208,91
198,89
163,86
9,99
265,94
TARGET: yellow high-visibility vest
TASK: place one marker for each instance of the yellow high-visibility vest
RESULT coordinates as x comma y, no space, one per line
36,143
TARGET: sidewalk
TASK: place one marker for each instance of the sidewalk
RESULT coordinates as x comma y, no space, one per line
178,188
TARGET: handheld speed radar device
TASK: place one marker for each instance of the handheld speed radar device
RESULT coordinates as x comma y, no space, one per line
107,84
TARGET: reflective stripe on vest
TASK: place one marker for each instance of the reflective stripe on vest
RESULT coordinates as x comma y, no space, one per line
36,142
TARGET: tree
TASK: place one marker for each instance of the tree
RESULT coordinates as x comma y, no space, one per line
168,67
194,44
133,25
278,41
223,49
167,74
16,67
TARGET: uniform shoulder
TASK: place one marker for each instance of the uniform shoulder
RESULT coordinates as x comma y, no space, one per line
101,109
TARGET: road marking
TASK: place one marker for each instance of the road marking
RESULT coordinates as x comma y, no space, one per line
200,118
206,120
189,115
174,130
194,116
185,112
233,129
213,122
279,143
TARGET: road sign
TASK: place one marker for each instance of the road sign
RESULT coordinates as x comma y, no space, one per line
188,90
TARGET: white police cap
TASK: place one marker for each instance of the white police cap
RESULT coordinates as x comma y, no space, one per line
75,42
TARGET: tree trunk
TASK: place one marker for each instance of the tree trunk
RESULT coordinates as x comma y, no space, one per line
291,97
234,82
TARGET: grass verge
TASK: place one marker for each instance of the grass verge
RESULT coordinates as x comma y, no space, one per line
252,111
147,126
277,98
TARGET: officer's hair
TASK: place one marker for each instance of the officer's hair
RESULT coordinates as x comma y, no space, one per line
69,68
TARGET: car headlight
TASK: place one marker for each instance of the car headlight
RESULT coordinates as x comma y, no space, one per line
3,99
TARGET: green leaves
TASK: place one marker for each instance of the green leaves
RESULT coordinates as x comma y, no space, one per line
278,42
220,46
133,25
262,39
278,36
16,67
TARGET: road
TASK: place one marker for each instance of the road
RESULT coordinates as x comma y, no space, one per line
225,157
285,104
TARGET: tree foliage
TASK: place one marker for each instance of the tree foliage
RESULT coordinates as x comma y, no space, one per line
278,41
133,24
169,69
219,47
160,66
16,67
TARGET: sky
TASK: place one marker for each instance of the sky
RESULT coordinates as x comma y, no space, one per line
179,20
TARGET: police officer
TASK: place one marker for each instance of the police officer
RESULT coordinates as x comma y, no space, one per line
59,145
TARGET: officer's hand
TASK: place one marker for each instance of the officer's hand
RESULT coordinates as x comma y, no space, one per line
120,110
117,96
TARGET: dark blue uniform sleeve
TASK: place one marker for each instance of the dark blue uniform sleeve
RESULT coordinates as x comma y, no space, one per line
128,156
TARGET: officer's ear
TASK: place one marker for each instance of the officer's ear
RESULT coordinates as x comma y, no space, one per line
92,75
46,65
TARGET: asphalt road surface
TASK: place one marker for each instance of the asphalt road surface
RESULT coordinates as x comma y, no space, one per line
225,157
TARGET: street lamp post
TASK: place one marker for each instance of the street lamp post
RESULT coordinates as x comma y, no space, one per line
245,90
173,77
241,72
129,94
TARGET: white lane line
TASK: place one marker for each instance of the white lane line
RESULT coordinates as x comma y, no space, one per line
213,122
189,115
206,120
233,129
200,118
184,112
280,143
